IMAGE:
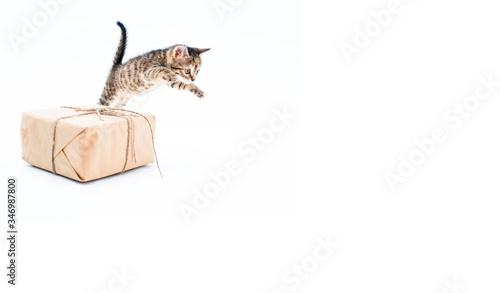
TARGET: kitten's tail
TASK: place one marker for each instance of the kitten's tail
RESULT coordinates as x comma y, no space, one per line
108,91
121,47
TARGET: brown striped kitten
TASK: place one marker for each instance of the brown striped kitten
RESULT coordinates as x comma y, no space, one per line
176,66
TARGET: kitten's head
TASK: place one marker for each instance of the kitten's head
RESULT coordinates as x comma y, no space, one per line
185,62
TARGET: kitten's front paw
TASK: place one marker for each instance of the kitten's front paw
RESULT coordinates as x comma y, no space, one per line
198,93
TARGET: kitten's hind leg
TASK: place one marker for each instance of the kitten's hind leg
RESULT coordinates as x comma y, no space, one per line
119,102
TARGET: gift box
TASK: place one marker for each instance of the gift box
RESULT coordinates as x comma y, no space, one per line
87,143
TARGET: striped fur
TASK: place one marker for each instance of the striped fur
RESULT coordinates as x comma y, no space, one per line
176,66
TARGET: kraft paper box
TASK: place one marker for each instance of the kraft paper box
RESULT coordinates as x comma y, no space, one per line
87,143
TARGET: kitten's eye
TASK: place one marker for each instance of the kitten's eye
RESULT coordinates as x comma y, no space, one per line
187,71
197,72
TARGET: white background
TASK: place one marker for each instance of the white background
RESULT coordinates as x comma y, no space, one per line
354,119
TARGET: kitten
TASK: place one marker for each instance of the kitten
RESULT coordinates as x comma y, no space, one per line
176,66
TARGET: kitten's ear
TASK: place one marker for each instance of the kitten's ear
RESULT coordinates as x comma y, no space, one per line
181,52
200,51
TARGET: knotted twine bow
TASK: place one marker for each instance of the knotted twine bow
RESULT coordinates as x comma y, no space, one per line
107,111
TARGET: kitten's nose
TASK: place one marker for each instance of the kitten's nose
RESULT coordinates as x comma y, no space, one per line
193,79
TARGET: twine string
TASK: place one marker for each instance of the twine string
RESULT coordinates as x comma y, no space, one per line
108,111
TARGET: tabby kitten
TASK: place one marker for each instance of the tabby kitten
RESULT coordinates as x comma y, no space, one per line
176,66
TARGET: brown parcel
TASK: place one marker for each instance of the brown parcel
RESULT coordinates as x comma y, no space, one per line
89,145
